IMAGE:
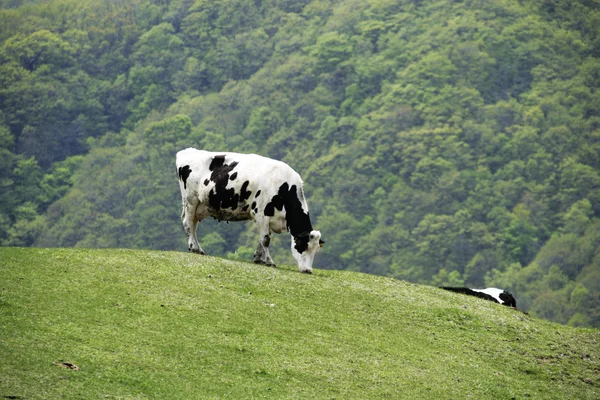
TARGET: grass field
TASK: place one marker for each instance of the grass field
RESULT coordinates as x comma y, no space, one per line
89,324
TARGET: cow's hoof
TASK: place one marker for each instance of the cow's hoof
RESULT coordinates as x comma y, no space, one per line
196,251
307,271
259,262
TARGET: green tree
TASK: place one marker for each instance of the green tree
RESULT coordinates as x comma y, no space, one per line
331,49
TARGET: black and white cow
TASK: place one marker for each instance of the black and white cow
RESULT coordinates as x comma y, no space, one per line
492,294
238,187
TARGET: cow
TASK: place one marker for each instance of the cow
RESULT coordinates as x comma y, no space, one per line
496,295
238,187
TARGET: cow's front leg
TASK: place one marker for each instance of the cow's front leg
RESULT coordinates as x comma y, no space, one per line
262,255
259,254
190,225
266,241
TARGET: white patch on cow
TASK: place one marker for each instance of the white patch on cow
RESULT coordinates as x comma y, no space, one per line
494,292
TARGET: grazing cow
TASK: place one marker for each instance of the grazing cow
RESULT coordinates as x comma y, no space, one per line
238,187
492,294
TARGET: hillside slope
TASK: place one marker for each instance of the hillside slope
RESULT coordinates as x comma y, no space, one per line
148,324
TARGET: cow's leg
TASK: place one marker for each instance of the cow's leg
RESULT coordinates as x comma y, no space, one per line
190,225
261,255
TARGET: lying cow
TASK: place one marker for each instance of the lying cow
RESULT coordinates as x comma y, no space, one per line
238,187
492,294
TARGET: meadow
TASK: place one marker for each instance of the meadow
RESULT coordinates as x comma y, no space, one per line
133,324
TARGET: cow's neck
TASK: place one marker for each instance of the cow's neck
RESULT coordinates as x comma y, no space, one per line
297,219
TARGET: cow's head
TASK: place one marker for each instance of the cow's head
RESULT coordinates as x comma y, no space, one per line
304,247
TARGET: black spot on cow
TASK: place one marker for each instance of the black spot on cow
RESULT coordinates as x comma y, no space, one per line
217,162
277,201
297,221
508,299
220,197
244,192
257,193
206,182
184,172
266,240
245,208
302,241
233,176
254,205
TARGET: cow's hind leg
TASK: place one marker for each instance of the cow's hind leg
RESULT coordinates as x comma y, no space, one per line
190,225
262,255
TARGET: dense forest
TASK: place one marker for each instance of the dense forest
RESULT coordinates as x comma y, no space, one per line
440,142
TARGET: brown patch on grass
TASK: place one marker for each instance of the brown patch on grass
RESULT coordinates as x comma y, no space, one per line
66,365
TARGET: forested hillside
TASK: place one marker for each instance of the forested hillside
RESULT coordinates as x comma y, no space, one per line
441,142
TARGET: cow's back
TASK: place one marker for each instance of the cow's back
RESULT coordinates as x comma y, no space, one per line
233,186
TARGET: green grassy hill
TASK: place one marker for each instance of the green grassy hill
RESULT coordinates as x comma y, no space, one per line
148,324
